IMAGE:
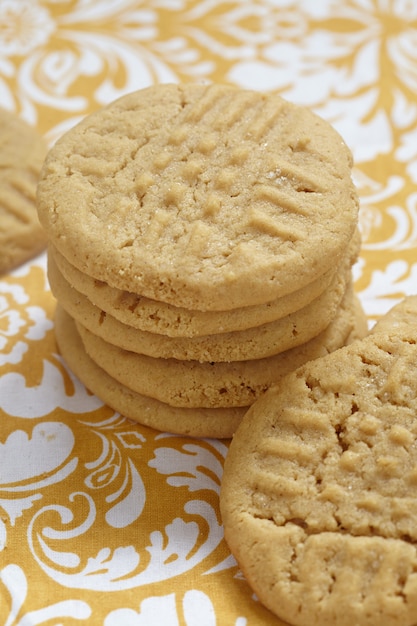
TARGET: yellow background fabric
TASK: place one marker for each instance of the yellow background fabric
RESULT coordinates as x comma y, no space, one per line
103,521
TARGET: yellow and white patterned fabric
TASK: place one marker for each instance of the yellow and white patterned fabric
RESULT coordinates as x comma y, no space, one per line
103,521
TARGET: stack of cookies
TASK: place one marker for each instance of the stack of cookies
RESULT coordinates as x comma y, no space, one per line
201,240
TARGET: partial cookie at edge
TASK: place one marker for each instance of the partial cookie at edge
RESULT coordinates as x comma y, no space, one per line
318,489
22,152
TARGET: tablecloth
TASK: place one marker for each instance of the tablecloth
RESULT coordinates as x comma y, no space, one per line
103,521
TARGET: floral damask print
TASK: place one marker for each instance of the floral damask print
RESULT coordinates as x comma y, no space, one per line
386,286
119,568
49,447
103,520
18,399
24,25
170,553
196,608
19,320
196,467
407,150
338,59
114,496
388,217
15,583
88,53
115,472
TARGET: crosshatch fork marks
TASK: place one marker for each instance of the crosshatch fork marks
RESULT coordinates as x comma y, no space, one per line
230,161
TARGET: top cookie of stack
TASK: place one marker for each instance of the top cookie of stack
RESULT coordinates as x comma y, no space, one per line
207,198
201,212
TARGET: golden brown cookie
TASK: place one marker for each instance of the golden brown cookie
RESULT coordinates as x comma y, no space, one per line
252,343
318,493
205,197
22,152
219,423
214,385
399,317
165,319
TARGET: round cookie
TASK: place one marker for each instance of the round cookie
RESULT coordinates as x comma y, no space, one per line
318,491
214,385
400,316
22,152
161,318
252,343
205,197
218,423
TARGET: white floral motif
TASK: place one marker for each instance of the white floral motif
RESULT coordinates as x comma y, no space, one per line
25,25
198,610
100,572
404,236
337,73
385,285
109,570
12,322
176,550
49,450
197,607
372,195
189,467
18,400
127,510
195,468
14,580
120,45
130,495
